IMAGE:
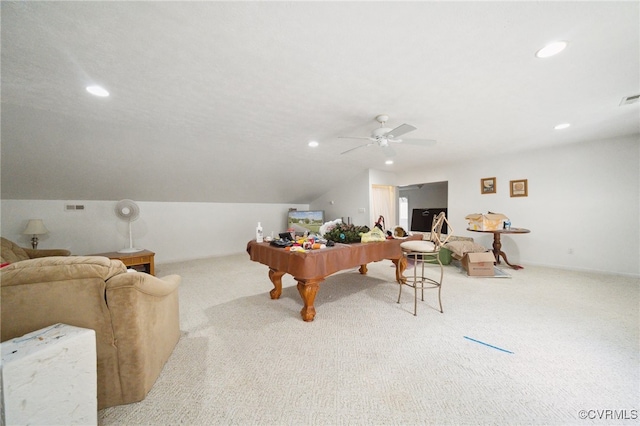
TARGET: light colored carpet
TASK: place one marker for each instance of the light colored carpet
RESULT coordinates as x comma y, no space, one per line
245,359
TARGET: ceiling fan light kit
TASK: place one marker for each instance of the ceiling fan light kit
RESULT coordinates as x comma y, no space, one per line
383,136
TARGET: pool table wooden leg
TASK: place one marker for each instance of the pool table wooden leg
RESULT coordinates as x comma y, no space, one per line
308,290
276,278
401,266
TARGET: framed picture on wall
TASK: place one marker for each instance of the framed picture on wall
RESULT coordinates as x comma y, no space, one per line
519,188
488,185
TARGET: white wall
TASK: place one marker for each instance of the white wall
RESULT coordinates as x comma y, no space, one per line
431,195
347,200
174,231
583,198
353,198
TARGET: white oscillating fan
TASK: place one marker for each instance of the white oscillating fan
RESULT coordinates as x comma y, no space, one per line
128,210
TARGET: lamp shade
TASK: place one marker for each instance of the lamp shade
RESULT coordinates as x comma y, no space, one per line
35,227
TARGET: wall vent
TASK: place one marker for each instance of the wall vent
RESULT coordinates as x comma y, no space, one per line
630,100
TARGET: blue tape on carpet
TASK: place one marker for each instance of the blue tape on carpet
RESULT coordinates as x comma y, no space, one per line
486,344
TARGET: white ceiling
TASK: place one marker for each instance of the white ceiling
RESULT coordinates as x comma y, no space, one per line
216,101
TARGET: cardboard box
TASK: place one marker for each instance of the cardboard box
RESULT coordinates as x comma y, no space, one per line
479,264
486,222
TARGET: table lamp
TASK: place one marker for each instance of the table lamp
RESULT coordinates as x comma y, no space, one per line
35,227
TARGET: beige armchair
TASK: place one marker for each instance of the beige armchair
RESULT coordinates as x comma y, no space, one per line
135,315
10,252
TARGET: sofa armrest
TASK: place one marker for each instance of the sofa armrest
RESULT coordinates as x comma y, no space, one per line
145,283
146,323
36,253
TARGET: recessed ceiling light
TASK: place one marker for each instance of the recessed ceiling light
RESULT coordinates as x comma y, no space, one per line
97,91
388,162
551,49
562,126
313,144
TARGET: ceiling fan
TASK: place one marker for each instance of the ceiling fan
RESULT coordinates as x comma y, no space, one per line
384,136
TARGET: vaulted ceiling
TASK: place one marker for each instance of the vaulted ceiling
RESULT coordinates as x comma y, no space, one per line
217,101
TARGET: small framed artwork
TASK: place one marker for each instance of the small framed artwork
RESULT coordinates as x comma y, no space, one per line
519,188
488,185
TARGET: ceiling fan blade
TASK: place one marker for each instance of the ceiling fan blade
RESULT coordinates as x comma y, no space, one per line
353,137
400,130
419,142
357,147
388,151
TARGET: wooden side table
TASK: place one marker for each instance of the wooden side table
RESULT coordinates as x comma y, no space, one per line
497,245
142,259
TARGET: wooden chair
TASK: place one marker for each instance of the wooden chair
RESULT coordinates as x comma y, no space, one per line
421,252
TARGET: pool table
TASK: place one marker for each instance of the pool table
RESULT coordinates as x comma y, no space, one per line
310,268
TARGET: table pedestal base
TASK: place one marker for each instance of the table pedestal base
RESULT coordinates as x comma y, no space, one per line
497,252
497,245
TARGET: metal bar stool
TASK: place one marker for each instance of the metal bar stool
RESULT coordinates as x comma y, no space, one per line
420,252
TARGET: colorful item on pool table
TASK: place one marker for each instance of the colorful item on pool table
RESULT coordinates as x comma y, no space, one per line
301,244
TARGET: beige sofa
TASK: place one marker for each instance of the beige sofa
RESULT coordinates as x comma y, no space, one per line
134,315
10,252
